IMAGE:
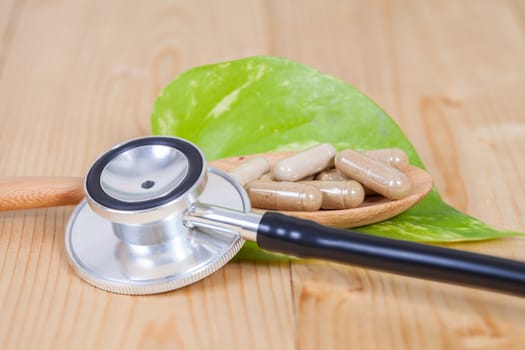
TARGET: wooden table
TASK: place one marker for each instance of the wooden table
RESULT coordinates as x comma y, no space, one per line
79,76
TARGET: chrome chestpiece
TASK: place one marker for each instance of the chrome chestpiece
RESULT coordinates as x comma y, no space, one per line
128,235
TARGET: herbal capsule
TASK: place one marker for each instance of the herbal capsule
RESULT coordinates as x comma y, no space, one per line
335,175
250,170
371,173
339,194
305,163
331,175
392,156
284,196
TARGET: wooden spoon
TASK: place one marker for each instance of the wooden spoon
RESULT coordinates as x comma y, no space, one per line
39,192
374,208
27,192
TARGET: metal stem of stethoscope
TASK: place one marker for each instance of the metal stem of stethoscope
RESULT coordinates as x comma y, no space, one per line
280,233
153,224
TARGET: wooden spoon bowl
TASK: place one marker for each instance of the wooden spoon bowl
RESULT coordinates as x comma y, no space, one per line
374,208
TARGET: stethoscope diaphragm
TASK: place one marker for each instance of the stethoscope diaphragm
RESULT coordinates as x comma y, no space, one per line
128,235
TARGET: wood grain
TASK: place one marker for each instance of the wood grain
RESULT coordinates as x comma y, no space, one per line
79,76
29,192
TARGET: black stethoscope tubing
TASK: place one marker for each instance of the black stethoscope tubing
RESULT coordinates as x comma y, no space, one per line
302,238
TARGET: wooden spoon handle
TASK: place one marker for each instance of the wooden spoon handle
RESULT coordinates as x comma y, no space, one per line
39,192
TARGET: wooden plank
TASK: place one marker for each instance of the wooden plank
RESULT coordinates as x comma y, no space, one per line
9,13
455,85
80,77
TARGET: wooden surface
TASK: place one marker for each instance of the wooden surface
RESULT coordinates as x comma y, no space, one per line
79,76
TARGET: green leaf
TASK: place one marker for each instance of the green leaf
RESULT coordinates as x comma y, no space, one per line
262,104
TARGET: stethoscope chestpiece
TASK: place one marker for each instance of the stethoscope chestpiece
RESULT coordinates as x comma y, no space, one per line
145,180
128,235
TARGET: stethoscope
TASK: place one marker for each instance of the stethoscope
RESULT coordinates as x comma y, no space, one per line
156,218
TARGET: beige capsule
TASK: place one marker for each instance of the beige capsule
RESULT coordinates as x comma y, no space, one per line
340,194
395,157
331,175
269,177
378,176
335,175
250,170
305,163
284,196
